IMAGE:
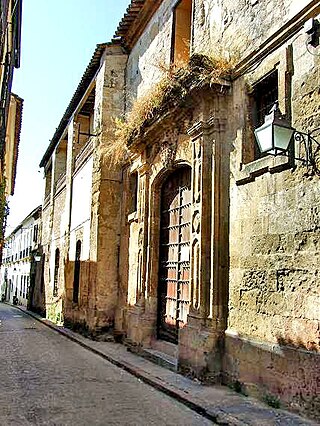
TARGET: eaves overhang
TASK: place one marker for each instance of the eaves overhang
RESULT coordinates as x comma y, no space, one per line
35,213
85,81
17,134
135,20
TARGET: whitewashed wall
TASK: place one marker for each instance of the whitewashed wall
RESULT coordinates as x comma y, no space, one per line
81,210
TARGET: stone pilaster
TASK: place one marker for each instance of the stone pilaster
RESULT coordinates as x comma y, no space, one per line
143,211
201,223
200,340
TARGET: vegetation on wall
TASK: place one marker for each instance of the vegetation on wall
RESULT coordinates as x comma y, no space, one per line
171,91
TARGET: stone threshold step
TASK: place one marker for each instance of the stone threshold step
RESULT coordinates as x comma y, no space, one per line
160,358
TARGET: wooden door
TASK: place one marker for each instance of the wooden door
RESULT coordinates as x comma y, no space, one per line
174,261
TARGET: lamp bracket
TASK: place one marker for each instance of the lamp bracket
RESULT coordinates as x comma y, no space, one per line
310,146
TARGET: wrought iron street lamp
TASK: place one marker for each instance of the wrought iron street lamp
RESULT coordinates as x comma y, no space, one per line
276,134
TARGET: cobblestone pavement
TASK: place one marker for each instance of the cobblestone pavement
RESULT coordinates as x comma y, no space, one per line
46,379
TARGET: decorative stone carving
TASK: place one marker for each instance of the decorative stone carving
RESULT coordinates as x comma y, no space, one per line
141,198
196,274
168,147
167,153
196,222
139,274
197,149
140,238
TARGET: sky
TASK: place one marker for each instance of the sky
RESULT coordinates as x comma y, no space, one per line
58,40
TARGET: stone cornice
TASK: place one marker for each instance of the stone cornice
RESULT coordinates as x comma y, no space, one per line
278,38
213,124
135,20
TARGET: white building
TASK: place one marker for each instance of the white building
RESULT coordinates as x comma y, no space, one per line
19,252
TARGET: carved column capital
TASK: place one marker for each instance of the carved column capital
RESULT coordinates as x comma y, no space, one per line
213,124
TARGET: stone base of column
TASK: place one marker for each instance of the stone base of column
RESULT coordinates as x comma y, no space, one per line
140,326
200,351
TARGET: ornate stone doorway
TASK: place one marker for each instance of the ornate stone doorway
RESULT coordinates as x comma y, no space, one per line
174,254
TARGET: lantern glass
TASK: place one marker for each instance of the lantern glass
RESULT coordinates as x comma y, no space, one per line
275,134
282,137
264,137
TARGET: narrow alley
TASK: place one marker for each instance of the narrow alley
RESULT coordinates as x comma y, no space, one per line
49,380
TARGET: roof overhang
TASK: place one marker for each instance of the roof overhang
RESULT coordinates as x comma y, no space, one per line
85,81
135,20
13,132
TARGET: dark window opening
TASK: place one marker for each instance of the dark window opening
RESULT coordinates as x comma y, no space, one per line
35,233
24,286
48,177
85,126
263,97
56,272
133,192
181,32
76,279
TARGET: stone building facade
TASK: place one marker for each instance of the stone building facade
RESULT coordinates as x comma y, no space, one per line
196,245
81,195
10,104
20,260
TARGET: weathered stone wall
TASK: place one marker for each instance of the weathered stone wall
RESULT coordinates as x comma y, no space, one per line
106,193
215,24
237,28
60,159
272,339
272,344
88,208
56,241
254,318
151,53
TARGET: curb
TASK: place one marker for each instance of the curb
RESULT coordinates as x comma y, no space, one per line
216,416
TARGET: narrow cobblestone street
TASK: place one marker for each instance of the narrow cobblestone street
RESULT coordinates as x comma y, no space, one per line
49,380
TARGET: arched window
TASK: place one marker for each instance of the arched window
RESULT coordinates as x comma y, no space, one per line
56,272
76,278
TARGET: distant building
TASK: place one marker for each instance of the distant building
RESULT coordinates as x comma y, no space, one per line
21,259
10,104
197,245
74,233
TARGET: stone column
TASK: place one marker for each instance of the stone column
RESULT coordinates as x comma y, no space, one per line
201,221
220,227
106,190
143,211
200,340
